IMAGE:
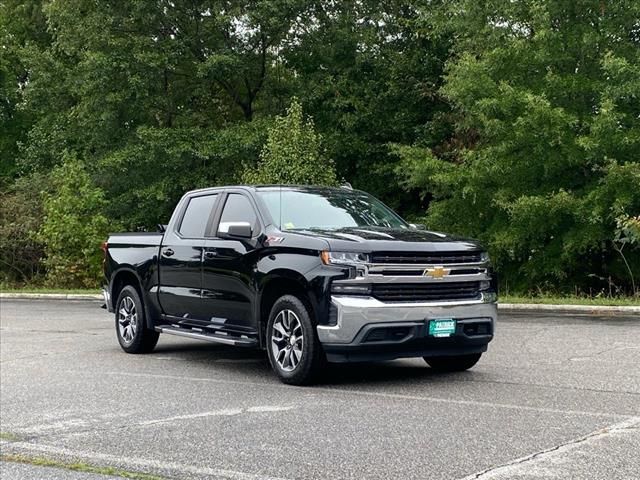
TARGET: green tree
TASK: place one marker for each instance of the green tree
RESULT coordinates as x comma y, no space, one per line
155,98
22,25
546,147
369,73
21,215
293,153
627,233
73,227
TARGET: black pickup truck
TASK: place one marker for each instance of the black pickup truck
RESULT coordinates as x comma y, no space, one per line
310,274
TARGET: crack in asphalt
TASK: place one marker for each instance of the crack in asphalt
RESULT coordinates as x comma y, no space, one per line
398,396
601,352
542,385
630,424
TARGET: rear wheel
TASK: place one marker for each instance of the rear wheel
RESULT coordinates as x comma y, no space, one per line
131,326
294,351
457,363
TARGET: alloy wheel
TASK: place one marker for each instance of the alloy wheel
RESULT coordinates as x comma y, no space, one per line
127,320
287,340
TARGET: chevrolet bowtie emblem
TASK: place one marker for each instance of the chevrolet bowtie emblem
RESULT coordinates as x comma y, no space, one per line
436,272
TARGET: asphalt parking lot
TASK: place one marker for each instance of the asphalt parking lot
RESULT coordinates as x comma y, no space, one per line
555,397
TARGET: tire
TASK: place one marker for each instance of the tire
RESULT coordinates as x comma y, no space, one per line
458,363
131,326
296,361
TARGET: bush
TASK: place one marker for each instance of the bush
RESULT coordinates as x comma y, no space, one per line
73,228
20,218
544,157
293,154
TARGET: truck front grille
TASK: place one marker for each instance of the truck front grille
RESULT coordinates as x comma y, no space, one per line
425,292
426,258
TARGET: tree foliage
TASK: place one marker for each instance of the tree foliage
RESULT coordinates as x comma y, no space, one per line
515,122
73,227
547,137
21,252
293,153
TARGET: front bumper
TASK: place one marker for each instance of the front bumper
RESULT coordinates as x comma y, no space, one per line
368,329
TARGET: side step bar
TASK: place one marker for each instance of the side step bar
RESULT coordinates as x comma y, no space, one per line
209,337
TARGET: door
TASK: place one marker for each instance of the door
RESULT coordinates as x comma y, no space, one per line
180,260
228,291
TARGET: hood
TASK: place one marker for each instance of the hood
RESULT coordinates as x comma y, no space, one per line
368,239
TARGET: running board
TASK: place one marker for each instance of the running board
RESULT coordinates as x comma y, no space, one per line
209,337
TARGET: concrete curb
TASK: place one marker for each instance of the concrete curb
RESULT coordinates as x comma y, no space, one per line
51,296
504,307
581,309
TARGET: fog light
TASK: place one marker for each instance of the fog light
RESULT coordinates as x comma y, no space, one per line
489,297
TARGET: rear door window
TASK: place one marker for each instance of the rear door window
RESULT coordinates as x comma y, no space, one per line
195,219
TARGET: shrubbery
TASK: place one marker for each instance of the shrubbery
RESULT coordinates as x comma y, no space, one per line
293,153
73,228
21,251
515,122
546,153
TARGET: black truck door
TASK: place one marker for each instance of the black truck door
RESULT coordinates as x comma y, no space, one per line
228,292
181,259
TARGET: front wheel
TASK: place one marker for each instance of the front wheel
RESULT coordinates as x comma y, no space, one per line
294,351
456,363
131,327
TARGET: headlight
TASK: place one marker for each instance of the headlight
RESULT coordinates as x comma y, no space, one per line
343,258
484,257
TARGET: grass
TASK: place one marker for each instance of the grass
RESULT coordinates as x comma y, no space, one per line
572,300
77,467
543,299
9,437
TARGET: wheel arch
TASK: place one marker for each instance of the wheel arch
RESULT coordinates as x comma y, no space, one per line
276,285
128,276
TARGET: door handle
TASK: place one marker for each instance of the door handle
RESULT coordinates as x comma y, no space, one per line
168,252
210,254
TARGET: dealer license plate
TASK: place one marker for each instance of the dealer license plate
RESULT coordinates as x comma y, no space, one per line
442,327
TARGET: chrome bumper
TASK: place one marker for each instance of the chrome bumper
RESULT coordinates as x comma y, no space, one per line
354,313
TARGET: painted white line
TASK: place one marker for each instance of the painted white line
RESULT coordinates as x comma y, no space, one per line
268,408
398,396
156,357
218,413
176,470
215,413
522,465
478,403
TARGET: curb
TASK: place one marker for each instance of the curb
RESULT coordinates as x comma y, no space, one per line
504,307
581,309
52,296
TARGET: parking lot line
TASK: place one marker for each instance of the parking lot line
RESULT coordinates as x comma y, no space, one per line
399,396
172,469
515,468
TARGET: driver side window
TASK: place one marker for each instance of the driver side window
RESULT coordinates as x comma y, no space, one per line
237,211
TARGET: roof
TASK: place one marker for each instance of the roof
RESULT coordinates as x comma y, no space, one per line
306,188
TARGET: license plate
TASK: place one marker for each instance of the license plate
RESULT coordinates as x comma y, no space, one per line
443,327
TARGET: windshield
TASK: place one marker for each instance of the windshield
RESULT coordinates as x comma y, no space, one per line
327,209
